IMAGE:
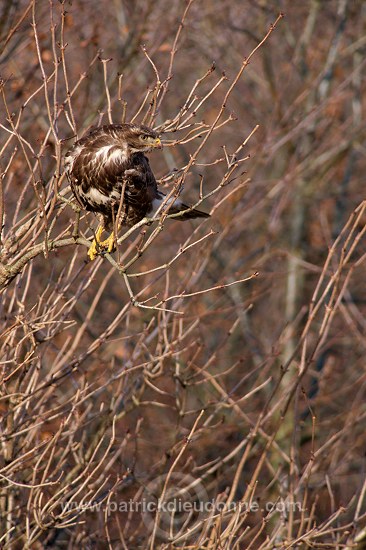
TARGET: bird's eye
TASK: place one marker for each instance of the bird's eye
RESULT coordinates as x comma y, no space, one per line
144,137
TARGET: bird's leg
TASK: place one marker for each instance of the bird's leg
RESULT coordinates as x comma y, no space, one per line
96,244
109,243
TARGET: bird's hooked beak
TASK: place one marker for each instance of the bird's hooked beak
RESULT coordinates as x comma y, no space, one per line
157,143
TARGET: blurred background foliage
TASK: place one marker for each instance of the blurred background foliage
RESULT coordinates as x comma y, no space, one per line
277,367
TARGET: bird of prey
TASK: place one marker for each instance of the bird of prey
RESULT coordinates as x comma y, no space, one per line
110,175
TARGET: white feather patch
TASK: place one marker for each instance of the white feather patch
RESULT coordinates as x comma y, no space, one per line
115,195
118,155
93,195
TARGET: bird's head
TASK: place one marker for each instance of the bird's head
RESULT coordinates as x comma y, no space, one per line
139,138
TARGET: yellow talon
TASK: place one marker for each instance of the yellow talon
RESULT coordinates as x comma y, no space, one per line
92,252
97,245
109,243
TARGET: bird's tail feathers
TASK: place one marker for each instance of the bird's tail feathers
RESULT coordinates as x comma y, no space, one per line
178,207
190,213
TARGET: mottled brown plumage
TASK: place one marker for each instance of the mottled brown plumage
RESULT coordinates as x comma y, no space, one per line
107,166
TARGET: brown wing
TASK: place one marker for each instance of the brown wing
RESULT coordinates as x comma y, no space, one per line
99,180
140,189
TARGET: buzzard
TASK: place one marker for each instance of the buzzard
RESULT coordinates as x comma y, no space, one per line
110,175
